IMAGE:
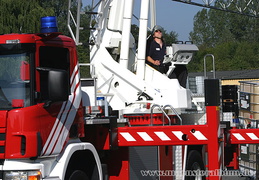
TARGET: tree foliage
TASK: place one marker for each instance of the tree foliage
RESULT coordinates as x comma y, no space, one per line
171,37
231,38
60,11
19,16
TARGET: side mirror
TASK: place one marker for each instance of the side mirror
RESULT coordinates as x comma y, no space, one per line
54,84
58,85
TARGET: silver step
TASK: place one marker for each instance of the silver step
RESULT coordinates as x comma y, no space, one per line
102,121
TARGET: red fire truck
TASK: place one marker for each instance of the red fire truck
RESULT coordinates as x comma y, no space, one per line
116,125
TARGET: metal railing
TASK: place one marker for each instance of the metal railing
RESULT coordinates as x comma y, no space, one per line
162,109
213,65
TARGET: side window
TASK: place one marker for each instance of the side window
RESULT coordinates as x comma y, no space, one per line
53,58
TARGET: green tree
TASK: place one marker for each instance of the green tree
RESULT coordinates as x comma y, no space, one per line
213,27
60,11
17,16
231,38
201,34
171,37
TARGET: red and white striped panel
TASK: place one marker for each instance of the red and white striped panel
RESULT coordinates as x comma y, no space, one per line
161,135
244,136
60,130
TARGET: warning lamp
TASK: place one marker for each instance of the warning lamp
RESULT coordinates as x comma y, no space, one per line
49,24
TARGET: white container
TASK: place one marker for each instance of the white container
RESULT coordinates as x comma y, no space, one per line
100,101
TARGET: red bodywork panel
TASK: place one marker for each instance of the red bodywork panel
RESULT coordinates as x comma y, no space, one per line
3,117
37,130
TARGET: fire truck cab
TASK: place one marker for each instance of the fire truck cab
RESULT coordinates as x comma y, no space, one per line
41,110
56,126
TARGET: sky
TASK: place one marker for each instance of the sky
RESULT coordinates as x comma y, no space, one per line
172,16
175,16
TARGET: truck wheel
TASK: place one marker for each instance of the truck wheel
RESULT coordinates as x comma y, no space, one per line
78,175
194,164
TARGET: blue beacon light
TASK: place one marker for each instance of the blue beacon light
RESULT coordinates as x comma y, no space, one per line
48,24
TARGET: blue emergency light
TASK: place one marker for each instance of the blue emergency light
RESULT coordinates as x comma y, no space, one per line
49,24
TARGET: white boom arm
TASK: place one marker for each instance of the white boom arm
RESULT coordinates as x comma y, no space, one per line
114,58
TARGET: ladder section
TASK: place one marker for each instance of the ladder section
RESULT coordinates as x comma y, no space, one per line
73,22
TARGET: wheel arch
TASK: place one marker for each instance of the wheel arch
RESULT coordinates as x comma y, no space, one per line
77,155
195,161
199,148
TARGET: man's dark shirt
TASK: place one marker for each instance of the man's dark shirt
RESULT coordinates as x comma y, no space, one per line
157,53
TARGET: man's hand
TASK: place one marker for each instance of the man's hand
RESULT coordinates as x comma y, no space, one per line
156,62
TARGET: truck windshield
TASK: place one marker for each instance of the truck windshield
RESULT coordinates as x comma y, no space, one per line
14,80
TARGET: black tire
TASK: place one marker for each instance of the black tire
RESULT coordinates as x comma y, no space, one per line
194,163
78,175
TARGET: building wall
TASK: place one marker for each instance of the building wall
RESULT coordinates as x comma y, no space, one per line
234,81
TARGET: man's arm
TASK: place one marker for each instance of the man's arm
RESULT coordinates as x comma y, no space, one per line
151,60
